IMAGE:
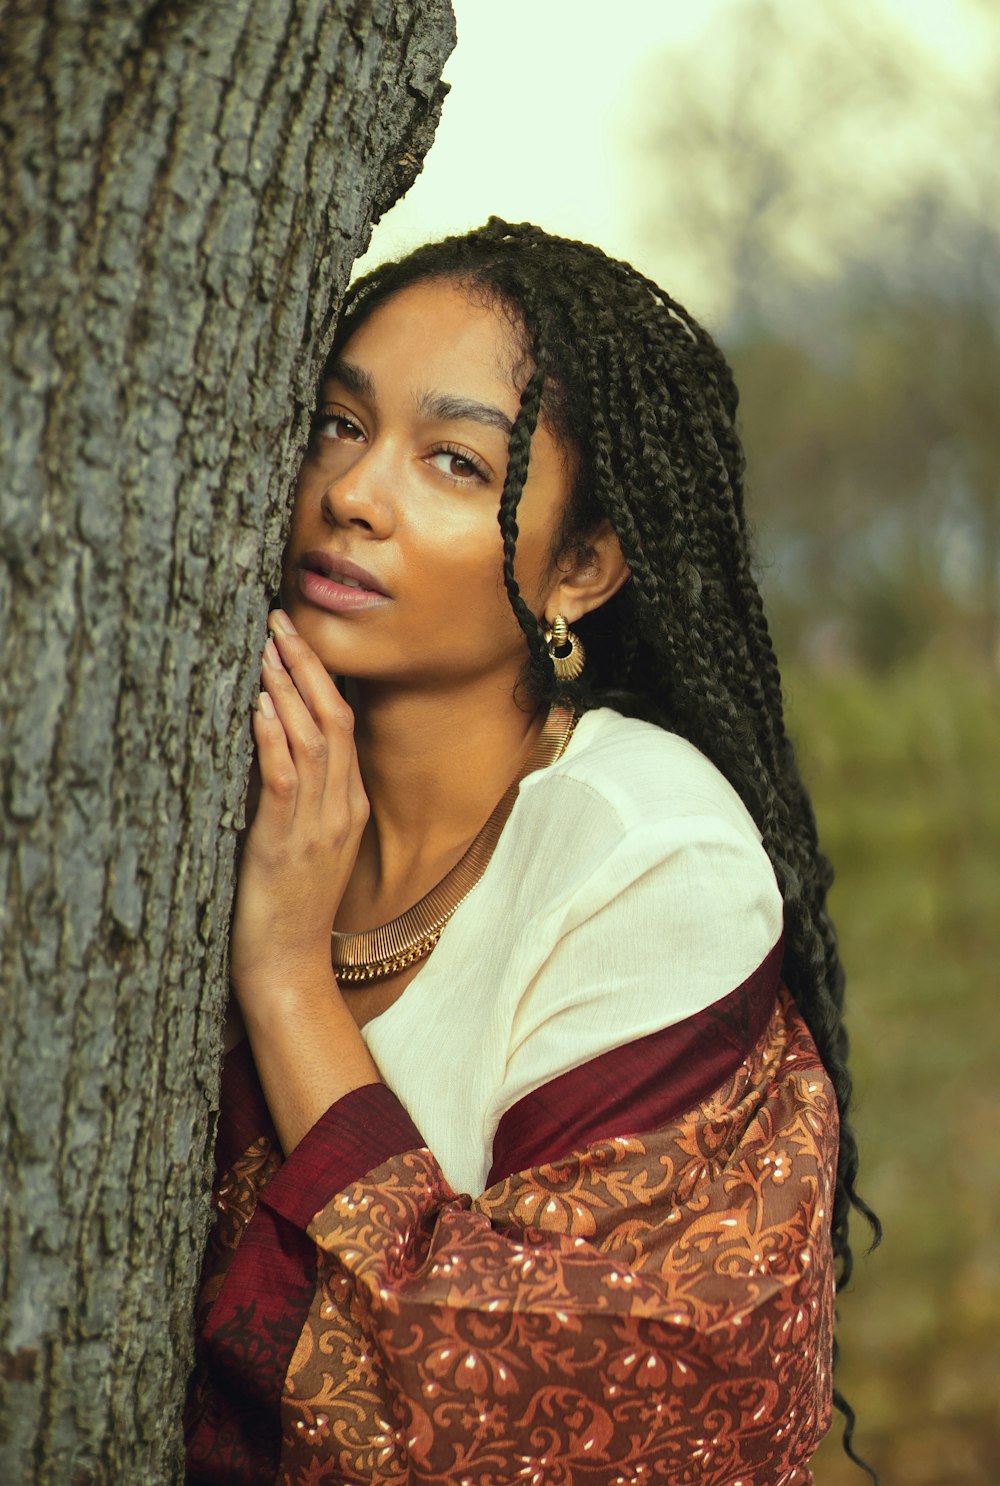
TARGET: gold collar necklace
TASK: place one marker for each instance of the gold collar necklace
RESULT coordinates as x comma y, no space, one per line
375,954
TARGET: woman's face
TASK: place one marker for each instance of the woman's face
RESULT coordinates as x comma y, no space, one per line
399,491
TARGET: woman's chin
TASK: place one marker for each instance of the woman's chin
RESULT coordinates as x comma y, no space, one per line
336,657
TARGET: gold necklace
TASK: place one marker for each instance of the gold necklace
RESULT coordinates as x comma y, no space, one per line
374,954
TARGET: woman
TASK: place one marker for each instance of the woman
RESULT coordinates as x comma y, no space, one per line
538,1176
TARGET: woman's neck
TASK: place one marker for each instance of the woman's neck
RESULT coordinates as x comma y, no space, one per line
434,766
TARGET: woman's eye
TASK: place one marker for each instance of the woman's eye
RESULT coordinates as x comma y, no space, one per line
458,467
338,427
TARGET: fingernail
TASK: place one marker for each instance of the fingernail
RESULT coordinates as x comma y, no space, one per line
266,705
271,656
283,623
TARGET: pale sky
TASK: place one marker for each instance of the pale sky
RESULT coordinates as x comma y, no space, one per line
530,129
539,122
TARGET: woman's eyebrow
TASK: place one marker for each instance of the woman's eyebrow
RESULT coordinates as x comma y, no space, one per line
447,408
440,405
354,378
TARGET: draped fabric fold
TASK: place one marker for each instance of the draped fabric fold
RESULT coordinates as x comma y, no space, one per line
654,1307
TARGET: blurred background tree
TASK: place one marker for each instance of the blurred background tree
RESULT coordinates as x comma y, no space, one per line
839,182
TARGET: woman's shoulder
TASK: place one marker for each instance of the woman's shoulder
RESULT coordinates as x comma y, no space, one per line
639,775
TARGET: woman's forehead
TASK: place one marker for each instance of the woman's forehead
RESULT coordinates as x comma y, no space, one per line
435,336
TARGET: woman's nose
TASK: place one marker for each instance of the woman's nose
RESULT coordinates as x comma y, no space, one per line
361,495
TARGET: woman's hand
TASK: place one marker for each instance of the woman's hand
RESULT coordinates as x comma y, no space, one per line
297,857
301,847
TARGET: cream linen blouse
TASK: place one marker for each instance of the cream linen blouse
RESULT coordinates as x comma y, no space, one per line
628,890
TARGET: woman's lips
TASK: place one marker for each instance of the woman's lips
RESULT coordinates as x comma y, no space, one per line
337,584
332,565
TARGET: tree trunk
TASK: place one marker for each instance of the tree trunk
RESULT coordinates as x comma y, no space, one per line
184,188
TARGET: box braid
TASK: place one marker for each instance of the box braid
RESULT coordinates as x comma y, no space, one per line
646,402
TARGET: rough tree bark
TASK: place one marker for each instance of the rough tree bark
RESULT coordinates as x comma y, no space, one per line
184,188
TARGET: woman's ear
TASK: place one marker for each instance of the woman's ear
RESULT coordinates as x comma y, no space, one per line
590,571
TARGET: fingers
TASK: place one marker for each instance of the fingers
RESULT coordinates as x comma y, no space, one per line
287,653
278,785
312,679
306,749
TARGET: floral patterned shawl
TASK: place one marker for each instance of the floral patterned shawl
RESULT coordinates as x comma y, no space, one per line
651,1305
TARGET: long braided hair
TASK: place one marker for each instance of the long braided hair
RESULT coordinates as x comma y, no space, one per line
645,400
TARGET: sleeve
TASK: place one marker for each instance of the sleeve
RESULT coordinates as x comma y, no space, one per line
676,915
602,927
652,1306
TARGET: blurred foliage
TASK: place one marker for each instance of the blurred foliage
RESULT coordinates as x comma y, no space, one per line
902,769
837,179
874,479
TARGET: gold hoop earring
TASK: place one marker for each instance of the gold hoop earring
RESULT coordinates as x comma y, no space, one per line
565,649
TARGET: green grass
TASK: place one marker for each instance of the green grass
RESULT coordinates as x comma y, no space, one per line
903,773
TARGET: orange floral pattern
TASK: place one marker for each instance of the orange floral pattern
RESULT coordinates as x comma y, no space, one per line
235,1198
655,1308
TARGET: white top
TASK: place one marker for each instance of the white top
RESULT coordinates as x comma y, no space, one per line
629,889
